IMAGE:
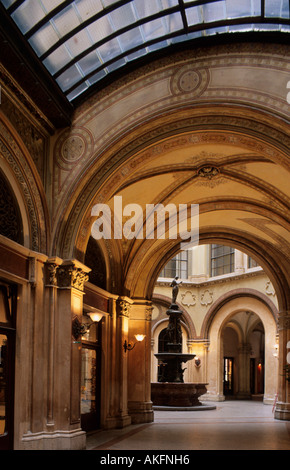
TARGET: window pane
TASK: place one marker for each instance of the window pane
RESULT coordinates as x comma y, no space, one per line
222,260
88,381
3,383
69,78
43,39
28,14
66,20
88,8
276,8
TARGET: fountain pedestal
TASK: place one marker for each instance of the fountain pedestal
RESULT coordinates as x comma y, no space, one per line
171,391
180,395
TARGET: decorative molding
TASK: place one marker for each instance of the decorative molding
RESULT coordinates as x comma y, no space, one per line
206,298
188,299
270,289
208,171
190,80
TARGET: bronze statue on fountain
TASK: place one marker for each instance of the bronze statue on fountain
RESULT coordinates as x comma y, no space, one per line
171,389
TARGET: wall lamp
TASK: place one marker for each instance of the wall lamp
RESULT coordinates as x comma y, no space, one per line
129,346
197,361
79,328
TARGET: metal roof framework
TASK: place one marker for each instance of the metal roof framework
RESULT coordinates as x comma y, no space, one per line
81,42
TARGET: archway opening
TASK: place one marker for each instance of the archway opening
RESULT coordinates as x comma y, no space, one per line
232,357
243,356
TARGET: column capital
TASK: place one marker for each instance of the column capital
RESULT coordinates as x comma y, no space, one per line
284,320
124,304
68,273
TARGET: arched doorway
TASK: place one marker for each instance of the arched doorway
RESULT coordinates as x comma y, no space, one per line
243,356
251,322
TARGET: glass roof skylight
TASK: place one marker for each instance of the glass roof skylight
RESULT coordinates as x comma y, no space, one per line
82,41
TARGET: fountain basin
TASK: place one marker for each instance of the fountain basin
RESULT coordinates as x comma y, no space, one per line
177,394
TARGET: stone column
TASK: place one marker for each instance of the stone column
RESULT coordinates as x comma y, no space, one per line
61,358
122,326
139,358
282,409
244,391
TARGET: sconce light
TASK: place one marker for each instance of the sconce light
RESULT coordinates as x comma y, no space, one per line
129,346
197,361
276,350
79,328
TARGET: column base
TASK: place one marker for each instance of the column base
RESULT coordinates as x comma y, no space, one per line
141,412
57,440
118,422
243,396
282,411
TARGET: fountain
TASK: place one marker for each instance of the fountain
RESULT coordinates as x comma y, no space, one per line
171,391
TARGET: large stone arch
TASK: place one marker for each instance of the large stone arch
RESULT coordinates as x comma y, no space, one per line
26,184
234,294
148,139
111,128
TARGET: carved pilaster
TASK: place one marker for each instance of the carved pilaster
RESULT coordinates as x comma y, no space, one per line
51,270
284,321
149,310
124,305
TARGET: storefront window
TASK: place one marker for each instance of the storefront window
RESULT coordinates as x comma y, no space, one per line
3,382
88,381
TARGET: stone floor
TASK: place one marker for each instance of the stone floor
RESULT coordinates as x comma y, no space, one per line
233,425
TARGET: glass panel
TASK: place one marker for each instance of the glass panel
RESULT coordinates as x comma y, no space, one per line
137,54
69,78
122,17
79,43
7,3
214,11
100,29
49,5
89,63
194,15
44,38
131,39
57,59
153,29
4,306
3,383
66,20
147,8
88,381
77,91
27,15
109,50
236,8
116,65
276,8
96,77
88,8
107,3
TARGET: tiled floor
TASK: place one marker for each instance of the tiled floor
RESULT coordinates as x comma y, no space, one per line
233,425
